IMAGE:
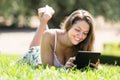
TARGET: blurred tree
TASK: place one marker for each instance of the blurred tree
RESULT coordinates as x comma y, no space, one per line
14,9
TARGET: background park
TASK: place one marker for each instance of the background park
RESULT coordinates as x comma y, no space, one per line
18,22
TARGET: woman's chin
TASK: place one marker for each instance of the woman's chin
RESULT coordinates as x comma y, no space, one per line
75,43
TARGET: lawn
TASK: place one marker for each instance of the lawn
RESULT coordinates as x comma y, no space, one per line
112,48
9,71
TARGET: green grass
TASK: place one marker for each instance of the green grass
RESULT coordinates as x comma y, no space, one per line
111,53
111,49
8,71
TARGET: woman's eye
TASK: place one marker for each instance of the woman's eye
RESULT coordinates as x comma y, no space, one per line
77,30
85,33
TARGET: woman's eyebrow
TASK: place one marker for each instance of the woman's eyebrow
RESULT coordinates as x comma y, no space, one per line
80,29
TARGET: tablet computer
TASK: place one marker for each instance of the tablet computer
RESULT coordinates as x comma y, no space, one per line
84,58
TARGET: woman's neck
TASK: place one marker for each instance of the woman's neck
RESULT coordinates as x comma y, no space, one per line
64,40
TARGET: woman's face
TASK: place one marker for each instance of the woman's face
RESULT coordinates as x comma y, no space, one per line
78,32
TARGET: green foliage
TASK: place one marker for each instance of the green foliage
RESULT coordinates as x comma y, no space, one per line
11,71
15,8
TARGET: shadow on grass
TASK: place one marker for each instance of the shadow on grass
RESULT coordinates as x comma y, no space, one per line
112,60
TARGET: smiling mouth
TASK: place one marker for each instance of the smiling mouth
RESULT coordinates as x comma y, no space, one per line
77,39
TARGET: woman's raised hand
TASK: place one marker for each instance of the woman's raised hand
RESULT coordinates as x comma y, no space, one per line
45,13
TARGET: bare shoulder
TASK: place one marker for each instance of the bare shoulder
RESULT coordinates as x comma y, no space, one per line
49,33
49,36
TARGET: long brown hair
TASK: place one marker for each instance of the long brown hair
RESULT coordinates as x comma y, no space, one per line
81,15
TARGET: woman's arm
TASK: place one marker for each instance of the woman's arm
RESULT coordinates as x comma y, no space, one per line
69,64
38,35
47,48
44,17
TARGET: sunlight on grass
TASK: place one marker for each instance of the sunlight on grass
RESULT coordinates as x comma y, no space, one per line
111,53
112,49
9,71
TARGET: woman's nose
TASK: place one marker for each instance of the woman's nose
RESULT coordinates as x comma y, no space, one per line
80,34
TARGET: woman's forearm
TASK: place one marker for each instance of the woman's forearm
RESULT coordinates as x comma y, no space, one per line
38,35
44,16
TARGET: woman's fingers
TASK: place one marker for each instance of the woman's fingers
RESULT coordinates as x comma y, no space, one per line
96,64
71,59
69,63
41,11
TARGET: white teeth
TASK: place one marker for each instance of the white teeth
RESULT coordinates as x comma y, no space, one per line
76,38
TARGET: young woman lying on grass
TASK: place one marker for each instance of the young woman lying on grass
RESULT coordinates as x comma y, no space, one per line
57,47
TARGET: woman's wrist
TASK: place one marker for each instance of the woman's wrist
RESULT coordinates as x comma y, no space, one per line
43,22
